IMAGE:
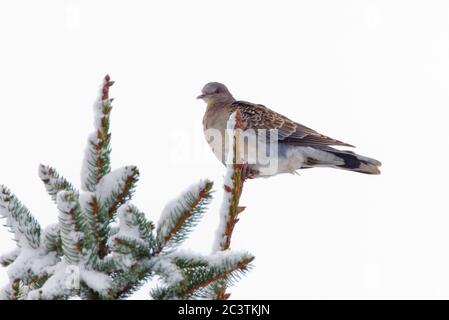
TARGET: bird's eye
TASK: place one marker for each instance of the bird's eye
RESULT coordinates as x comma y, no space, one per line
216,90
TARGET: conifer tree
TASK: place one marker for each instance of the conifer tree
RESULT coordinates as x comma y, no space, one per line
104,247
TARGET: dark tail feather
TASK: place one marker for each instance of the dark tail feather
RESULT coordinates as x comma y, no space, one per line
355,162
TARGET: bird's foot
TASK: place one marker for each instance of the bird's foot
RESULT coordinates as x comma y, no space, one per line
249,172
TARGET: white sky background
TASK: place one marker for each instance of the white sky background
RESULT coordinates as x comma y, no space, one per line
372,73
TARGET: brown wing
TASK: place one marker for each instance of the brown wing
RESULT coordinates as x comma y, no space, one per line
257,116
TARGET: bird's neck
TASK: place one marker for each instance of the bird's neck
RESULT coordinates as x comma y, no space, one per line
216,115
220,102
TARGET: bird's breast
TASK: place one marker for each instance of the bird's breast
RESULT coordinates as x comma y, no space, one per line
214,127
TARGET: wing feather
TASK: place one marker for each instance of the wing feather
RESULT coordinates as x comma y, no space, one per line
257,116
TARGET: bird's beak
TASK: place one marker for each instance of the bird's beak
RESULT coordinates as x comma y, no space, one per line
201,96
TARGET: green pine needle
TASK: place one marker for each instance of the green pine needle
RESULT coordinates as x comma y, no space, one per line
182,217
18,218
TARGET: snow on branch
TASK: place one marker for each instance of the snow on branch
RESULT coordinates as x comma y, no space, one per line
96,161
134,235
6,293
53,181
133,223
71,225
8,258
116,188
57,286
96,221
182,214
68,280
19,219
129,280
233,187
51,239
192,275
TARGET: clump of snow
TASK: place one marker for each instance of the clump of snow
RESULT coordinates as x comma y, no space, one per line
65,280
43,172
127,225
113,181
19,268
32,261
127,229
226,257
186,254
97,281
85,198
170,273
64,202
62,282
121,261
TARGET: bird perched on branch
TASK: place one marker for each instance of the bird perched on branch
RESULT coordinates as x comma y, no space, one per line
287,146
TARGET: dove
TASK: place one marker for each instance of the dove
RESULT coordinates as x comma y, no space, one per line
287,146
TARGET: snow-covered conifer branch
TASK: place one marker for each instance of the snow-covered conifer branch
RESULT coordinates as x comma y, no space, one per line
132,246
71,225
19,219
127,281
182,214
134,235
199,280
6,292
134,224
96,161
58,285
8,258
186,259
51,239
53,181
97,223
192,276
233,187
128,245
116,188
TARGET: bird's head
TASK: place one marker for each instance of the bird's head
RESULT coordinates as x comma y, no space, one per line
215,92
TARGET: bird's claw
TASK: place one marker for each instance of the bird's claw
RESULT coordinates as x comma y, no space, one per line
248,172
